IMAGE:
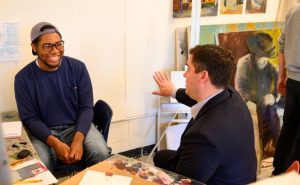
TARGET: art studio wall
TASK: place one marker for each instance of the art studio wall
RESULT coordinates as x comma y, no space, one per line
122,42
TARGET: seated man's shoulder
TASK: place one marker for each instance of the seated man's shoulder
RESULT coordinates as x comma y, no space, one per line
26,71
73,61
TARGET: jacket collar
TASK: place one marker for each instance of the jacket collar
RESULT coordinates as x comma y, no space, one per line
210,104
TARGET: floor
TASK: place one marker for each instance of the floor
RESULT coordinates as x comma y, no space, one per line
266,169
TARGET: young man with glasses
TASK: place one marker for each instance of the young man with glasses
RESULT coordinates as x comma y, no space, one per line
55,103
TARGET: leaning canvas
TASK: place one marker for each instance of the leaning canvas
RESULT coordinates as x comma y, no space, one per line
256,78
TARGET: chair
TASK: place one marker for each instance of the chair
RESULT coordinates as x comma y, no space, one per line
295,166
102,118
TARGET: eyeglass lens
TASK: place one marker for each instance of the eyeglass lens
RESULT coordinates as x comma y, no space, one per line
59,45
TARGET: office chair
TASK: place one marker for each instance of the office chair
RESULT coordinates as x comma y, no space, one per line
102,118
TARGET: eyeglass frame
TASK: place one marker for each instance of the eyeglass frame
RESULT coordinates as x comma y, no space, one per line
56,45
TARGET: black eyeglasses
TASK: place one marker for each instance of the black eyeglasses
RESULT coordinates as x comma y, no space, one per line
59,45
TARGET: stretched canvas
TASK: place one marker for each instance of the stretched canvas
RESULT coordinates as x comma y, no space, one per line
231,6
256,6
209,8
183,8
181,50
255,55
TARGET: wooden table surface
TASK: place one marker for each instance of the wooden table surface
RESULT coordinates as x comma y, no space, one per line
106,167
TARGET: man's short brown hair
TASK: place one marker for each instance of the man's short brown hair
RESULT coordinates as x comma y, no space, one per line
217,60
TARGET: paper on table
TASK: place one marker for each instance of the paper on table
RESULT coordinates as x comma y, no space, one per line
12,129
46,176
93,177
291,178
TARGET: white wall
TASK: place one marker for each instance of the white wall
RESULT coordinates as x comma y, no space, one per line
122,43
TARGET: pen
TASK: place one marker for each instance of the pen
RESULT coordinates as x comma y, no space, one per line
16,162
28,181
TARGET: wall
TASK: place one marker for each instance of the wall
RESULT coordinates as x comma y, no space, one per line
122,43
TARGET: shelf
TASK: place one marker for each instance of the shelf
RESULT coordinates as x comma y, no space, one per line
174,108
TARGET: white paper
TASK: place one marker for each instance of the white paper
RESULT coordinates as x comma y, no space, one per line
9,41
46,176
12,129
291,178
93,177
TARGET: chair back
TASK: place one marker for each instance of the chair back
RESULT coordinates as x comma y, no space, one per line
102,117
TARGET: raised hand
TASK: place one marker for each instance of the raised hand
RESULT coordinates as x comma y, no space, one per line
164,83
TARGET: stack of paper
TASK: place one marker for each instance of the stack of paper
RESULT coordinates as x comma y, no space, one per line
11,129
94,177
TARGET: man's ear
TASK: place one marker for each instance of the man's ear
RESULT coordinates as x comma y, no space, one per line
204,75
33,46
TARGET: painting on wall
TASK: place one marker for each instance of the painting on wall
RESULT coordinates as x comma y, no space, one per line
256,6
183,8
255,79
209,8
231,6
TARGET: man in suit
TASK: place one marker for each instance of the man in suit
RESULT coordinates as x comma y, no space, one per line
217,146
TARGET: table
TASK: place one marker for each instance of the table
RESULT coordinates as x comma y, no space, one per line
140,172
15,145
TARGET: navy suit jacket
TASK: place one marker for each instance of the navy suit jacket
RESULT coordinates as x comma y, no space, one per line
217,147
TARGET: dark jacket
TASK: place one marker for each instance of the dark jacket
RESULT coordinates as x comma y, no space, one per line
217,147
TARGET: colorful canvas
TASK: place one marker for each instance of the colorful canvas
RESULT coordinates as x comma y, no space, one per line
208,32
231,6
183,8
255,79
256,6
209,8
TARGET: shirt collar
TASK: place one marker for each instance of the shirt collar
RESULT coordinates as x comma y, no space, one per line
195,109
